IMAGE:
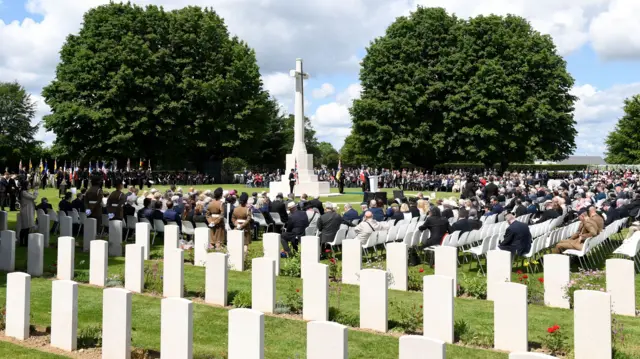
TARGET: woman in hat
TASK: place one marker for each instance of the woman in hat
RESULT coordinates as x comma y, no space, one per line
242,219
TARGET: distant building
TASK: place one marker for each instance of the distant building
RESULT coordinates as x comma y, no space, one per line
577,160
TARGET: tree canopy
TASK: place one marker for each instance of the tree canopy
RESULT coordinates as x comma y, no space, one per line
145,82
438,89
623,143
17,111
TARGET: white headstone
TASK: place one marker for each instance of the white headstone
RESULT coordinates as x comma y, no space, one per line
438,307
447,264
176,328
200,246
216,274
397,265
43,228
373,299
498,270
66,257
171,232
4,221
621,285
556,278
326,340
246,334
116,323
66,226
510,317
143,235
263,285
115,238
235,248
417,346
173,273
35,256
315,293
64,315
310,252
98,262
18,222
7,251
351,261
134,268
18,309
89,231
271,248
530,356
592,324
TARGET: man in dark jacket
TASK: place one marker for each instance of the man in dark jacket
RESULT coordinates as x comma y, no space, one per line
314,203
612,213
278,206
462,224
350,214
519,209
549,212
437,225
329,224
377,212
65,205
490,190
296,225
517,238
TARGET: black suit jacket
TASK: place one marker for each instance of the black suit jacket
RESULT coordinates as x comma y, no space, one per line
548,214
517,239
297,223
438,227
280,208
520,210
397,216
447,213
612,215
314,203
490,190
328,225
350,215
462,225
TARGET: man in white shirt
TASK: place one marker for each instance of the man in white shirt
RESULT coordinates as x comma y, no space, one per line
368,226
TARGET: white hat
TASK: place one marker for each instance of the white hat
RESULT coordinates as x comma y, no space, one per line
291,205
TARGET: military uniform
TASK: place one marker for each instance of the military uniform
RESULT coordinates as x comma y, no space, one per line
93,202
115,204
242,220
215,217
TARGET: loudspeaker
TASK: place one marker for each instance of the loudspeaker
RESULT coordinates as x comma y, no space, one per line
368,196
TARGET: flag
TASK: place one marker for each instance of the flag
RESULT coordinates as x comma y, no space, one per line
55,164
141,163
41,167
20,166
128,164
339,164
30,165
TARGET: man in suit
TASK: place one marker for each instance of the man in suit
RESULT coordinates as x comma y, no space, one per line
329,224
462,224
588,229
612,213
490,190
377,212
350,214
78,203
549,212
296,225
437,225
517,238
519,209
65,205
496,208
170,215
12,190
278,206
314,203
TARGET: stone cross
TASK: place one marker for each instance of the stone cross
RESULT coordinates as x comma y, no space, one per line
298,128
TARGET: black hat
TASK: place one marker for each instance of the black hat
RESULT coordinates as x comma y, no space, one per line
244,197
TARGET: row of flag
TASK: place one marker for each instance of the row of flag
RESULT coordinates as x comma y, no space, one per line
74,166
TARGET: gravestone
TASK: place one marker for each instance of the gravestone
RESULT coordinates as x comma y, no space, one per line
271,248
438,307
510,319
4,221
556,279
201,246
171,232
35,255
235,248
216,280
373,299
7,251
66,225
263,285
418,346
98,261
447,264
134,268
591,324
173,273
18,307
246,334
397,265
43,228
89,232
310,252
326,340
315,293
621,285
176,328
351,261
64,315
143,235
525,355
498,270
66,258
115,238
116,323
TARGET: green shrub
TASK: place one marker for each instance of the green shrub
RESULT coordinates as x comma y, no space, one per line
153,281
293,300
90,336
463,333
585,280
415,280
474,286
408,316
348,319
290,267
242,299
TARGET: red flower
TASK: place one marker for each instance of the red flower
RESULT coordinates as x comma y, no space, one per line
297,290
541,280
332,260
421,270
420,307
520,279
556,327
327,250
550,330
519,272
525,276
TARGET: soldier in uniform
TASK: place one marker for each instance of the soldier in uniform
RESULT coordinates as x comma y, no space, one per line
242,219
116,201
93,201
84,177
216,219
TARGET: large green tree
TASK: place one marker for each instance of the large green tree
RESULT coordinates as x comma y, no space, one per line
623,143
167,86
17,111
490,89
329,156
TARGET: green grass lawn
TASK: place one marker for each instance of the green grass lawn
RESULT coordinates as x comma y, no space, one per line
285,338
13,351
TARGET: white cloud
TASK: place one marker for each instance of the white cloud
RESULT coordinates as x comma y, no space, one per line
614,33
332,121
324,91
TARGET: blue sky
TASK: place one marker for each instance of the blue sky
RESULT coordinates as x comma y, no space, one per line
597,38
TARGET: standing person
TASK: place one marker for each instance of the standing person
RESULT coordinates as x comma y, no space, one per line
93,201
4,190
215,219
242,219
292,180
27,212
340,178
115,203
13,192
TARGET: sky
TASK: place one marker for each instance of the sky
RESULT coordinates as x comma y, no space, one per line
598,39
